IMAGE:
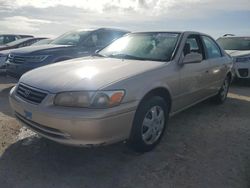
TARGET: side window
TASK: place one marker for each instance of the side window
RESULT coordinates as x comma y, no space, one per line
118,34
9,39
32,42
212,49
100,39
193,45
27,43
21,45
91,41
104,38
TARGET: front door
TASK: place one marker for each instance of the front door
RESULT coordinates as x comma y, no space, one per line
194,77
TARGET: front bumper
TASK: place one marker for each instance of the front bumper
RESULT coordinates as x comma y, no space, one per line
75,126
242,70
17,70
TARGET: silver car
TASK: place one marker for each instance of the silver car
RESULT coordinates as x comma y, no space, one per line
126,92
239,49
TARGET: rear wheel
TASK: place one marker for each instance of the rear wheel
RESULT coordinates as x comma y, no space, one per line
222,95
149,124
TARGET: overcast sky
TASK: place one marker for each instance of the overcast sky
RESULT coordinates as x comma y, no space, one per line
54,17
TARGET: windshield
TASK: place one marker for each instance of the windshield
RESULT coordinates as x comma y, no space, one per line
16,42
143,46
71,38
236,43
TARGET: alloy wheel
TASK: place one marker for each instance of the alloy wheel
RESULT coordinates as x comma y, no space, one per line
153,125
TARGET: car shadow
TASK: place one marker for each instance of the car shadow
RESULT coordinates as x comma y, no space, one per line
242,83
39,162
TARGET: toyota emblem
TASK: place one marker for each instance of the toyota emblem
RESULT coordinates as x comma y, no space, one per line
26,92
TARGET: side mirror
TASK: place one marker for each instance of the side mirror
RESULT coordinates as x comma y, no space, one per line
97,51
192,58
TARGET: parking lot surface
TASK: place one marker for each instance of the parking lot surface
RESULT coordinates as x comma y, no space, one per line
205,146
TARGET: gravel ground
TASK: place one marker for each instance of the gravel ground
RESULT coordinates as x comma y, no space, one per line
205,146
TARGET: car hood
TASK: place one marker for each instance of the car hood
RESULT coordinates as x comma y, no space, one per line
85,74
236,53
4,47
40,48
5,52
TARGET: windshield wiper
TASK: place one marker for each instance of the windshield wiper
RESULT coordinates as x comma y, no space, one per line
126,56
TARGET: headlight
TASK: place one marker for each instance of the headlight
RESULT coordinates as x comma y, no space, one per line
242,59
99,99
107,99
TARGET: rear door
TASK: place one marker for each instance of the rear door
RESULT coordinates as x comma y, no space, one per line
194,77
218,67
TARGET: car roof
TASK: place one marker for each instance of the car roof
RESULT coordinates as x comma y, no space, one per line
104,28
177,32
21,35
235,37
19,41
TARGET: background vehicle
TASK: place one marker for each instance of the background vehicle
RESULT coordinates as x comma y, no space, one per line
4,39
127,93
20,43
4,53
239,49
42,42
3,57
70,45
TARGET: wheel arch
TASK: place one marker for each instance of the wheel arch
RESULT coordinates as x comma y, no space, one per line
230,75
161,92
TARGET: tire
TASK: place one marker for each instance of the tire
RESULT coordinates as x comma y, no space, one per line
149,124
221,97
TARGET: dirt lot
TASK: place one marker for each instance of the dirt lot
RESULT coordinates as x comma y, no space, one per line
207,146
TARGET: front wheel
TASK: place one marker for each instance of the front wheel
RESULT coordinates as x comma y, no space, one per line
222,94
149,124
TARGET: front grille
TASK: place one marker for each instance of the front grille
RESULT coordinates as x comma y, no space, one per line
243,72
47,131
30,94
16,59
